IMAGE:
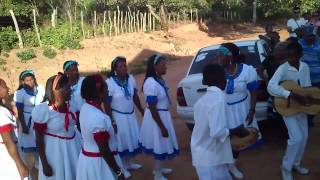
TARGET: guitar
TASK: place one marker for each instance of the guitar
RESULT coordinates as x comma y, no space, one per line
288,107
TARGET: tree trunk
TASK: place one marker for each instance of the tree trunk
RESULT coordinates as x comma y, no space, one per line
82,26
17,29
36,27
254,16
104,23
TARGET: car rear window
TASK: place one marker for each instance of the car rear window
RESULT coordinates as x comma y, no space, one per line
204,58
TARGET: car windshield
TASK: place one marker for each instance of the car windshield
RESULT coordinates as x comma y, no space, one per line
204,58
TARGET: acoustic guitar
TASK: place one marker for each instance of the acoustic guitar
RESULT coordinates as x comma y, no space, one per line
288,107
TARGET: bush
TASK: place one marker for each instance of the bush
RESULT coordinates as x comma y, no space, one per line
30,38
26,55
49,52
8,39
2,62
61,37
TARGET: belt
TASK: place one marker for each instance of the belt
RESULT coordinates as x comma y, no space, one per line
123,112
160,109
95,154
60,137
233,103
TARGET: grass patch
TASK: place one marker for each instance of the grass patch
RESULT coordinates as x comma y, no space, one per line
26,55
49,52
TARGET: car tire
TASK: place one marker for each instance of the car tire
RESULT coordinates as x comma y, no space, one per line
190,126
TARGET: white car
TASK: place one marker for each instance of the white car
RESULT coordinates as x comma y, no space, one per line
190,88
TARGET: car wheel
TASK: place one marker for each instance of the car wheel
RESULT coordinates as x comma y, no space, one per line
190,126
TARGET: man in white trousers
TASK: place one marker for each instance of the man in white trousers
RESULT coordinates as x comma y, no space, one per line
297,125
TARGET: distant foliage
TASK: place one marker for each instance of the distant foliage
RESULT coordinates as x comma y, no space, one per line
8,39
26,55
49,52
62,37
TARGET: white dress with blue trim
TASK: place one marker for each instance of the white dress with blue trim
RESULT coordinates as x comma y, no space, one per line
151,139
237,94
123,113
27,100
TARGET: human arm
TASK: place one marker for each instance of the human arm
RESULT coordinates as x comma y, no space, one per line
157,119
137,102
18,99
252,86
13,151
101,139
47,170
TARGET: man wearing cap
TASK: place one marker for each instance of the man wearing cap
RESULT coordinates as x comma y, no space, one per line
295,23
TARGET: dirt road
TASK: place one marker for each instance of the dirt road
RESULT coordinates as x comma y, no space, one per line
262,163
259,164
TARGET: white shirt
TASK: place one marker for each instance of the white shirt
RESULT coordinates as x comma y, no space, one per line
295,24
210,142
76,100
7,123
120,102
287,72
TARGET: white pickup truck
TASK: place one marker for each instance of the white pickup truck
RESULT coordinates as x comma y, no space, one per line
190,88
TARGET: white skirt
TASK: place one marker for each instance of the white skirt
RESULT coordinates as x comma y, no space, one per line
128,134
96,168
8,167
151,139
62,156
27,142
237,115
219,172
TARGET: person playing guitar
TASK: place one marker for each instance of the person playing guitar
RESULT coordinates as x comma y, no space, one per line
297,124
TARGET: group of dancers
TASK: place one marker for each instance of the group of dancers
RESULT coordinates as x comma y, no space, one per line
86,128
215,113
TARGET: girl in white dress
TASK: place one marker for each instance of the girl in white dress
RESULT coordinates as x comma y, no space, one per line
122,98
99,159
71,70
157,134
12,166
54,124
28,95
240,91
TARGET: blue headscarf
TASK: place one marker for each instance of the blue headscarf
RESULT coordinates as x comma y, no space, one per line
69,63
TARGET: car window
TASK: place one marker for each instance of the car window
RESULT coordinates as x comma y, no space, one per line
204,58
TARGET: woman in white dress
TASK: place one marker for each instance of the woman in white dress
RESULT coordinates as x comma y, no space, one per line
120,107
12,166
55,133
240,91
99,159
157,134
28,95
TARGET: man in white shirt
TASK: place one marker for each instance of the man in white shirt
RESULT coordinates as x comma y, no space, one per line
297,125
295,23
210,142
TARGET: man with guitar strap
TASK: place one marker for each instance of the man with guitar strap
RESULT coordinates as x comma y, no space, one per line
297,124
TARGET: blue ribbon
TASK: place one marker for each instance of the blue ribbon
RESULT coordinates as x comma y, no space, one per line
231,78
124,85
30,92
165,87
